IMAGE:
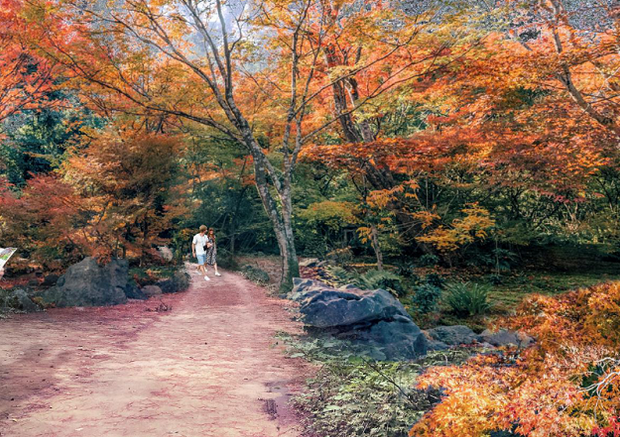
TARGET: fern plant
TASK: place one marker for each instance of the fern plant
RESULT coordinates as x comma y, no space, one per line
468,299
383,279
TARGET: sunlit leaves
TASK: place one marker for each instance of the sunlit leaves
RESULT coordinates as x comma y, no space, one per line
549,389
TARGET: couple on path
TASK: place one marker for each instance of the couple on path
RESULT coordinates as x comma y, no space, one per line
205,251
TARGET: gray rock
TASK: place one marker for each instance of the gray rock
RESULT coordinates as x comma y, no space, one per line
401,338
23,301
434,345
89,284
505,337
453,335
375,318
50,280
132,291
151,290
178,282
324,306
166,253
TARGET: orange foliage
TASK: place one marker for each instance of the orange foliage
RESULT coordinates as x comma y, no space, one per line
41,218
473,226
25,77
567,384
125,180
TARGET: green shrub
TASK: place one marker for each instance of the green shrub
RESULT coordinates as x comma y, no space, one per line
468,299
426,298
500,260
407,270
353,396
435,280
371,280
428,260
340,256
495,279
226,260
255,274
383,279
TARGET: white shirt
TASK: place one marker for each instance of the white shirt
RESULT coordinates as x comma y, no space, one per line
200,241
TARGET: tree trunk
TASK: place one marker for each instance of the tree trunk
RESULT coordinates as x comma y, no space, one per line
281,219
290,264
375,245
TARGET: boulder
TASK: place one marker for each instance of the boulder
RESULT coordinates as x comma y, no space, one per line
324,306
400,338
23,301
151,290
453,335
373,317
505,337
178,282
132,291
89,284
50,280
434,345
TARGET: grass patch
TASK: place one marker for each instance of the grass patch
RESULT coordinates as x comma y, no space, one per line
515,288
505,295
351,395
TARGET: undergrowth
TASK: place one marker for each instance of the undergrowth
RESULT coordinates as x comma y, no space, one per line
352,395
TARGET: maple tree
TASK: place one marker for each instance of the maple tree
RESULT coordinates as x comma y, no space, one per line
520,120
41,219
565,385
125,179
109,199
25,77
251,71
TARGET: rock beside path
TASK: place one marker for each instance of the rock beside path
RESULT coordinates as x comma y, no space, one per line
151,290
178,282
89,284
22,301
373,317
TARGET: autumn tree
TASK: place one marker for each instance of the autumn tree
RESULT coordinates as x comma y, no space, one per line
242,70
125,180
41,220
25,77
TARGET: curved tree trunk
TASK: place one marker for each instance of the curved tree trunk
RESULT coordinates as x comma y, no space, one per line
281,220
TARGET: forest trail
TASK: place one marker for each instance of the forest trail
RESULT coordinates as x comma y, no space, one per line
208,367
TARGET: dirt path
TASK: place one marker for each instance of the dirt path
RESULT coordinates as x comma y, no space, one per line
207,368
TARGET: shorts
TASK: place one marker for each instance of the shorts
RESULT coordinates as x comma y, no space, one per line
202,258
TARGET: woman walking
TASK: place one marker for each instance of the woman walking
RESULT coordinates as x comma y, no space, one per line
212,251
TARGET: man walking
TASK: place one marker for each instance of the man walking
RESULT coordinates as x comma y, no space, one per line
199,250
